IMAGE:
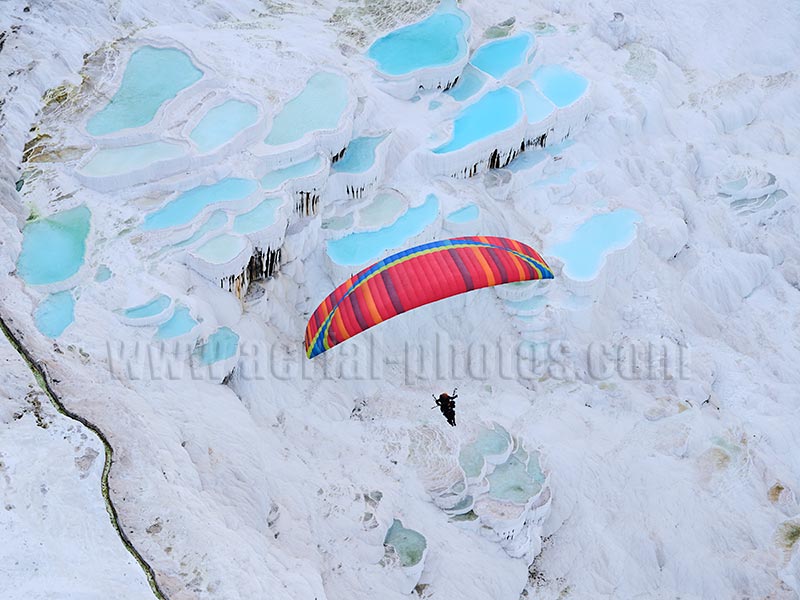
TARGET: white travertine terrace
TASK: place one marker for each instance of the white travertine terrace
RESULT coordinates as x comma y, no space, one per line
304,181
362,173
536,127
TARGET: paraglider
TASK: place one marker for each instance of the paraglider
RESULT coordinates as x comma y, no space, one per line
415,277
447,404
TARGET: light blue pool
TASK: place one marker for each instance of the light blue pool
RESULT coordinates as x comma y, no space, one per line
152,76
338,223
363,247
527,160
464,215
55,314
560,85
563,177
217,219
494,112
499,57
437,41
275,179
512,482
469,83
462,506
102,274
471,460
221,124
221,345
180,323
53,248
222,249
731,187
585,252
359,155
191,203
537,106
319,106
119,161
151,308
384,209
535,468
261,217
409,544
489,442
529,304
559,148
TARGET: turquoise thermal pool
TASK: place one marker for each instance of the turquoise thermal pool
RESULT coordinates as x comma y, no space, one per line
464,215
490,442
222,249
217,219
585,252
532,157
221,345
362,247
275,179
119,161
359,155
494,112
338,223
103,274
499,57
437,41
528,159
537,106
470,82
563,177
151,308
53,248
560,85
318,107
189,204
409,544
221,124
179,324
261,217
152,76
732,187
527,305
516,479
384,208
55,314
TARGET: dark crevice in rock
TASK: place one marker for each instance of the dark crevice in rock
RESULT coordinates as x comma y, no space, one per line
39,371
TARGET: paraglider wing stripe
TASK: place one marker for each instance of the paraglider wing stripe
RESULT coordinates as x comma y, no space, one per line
499,260
490,276
450,275
370,304
462,268
356,308
479,277
417,276
380,296
518,267
391,291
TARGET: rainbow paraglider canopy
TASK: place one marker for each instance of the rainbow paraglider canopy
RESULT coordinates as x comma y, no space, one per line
415,277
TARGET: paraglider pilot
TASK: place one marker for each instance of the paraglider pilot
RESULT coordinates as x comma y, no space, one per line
447,404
